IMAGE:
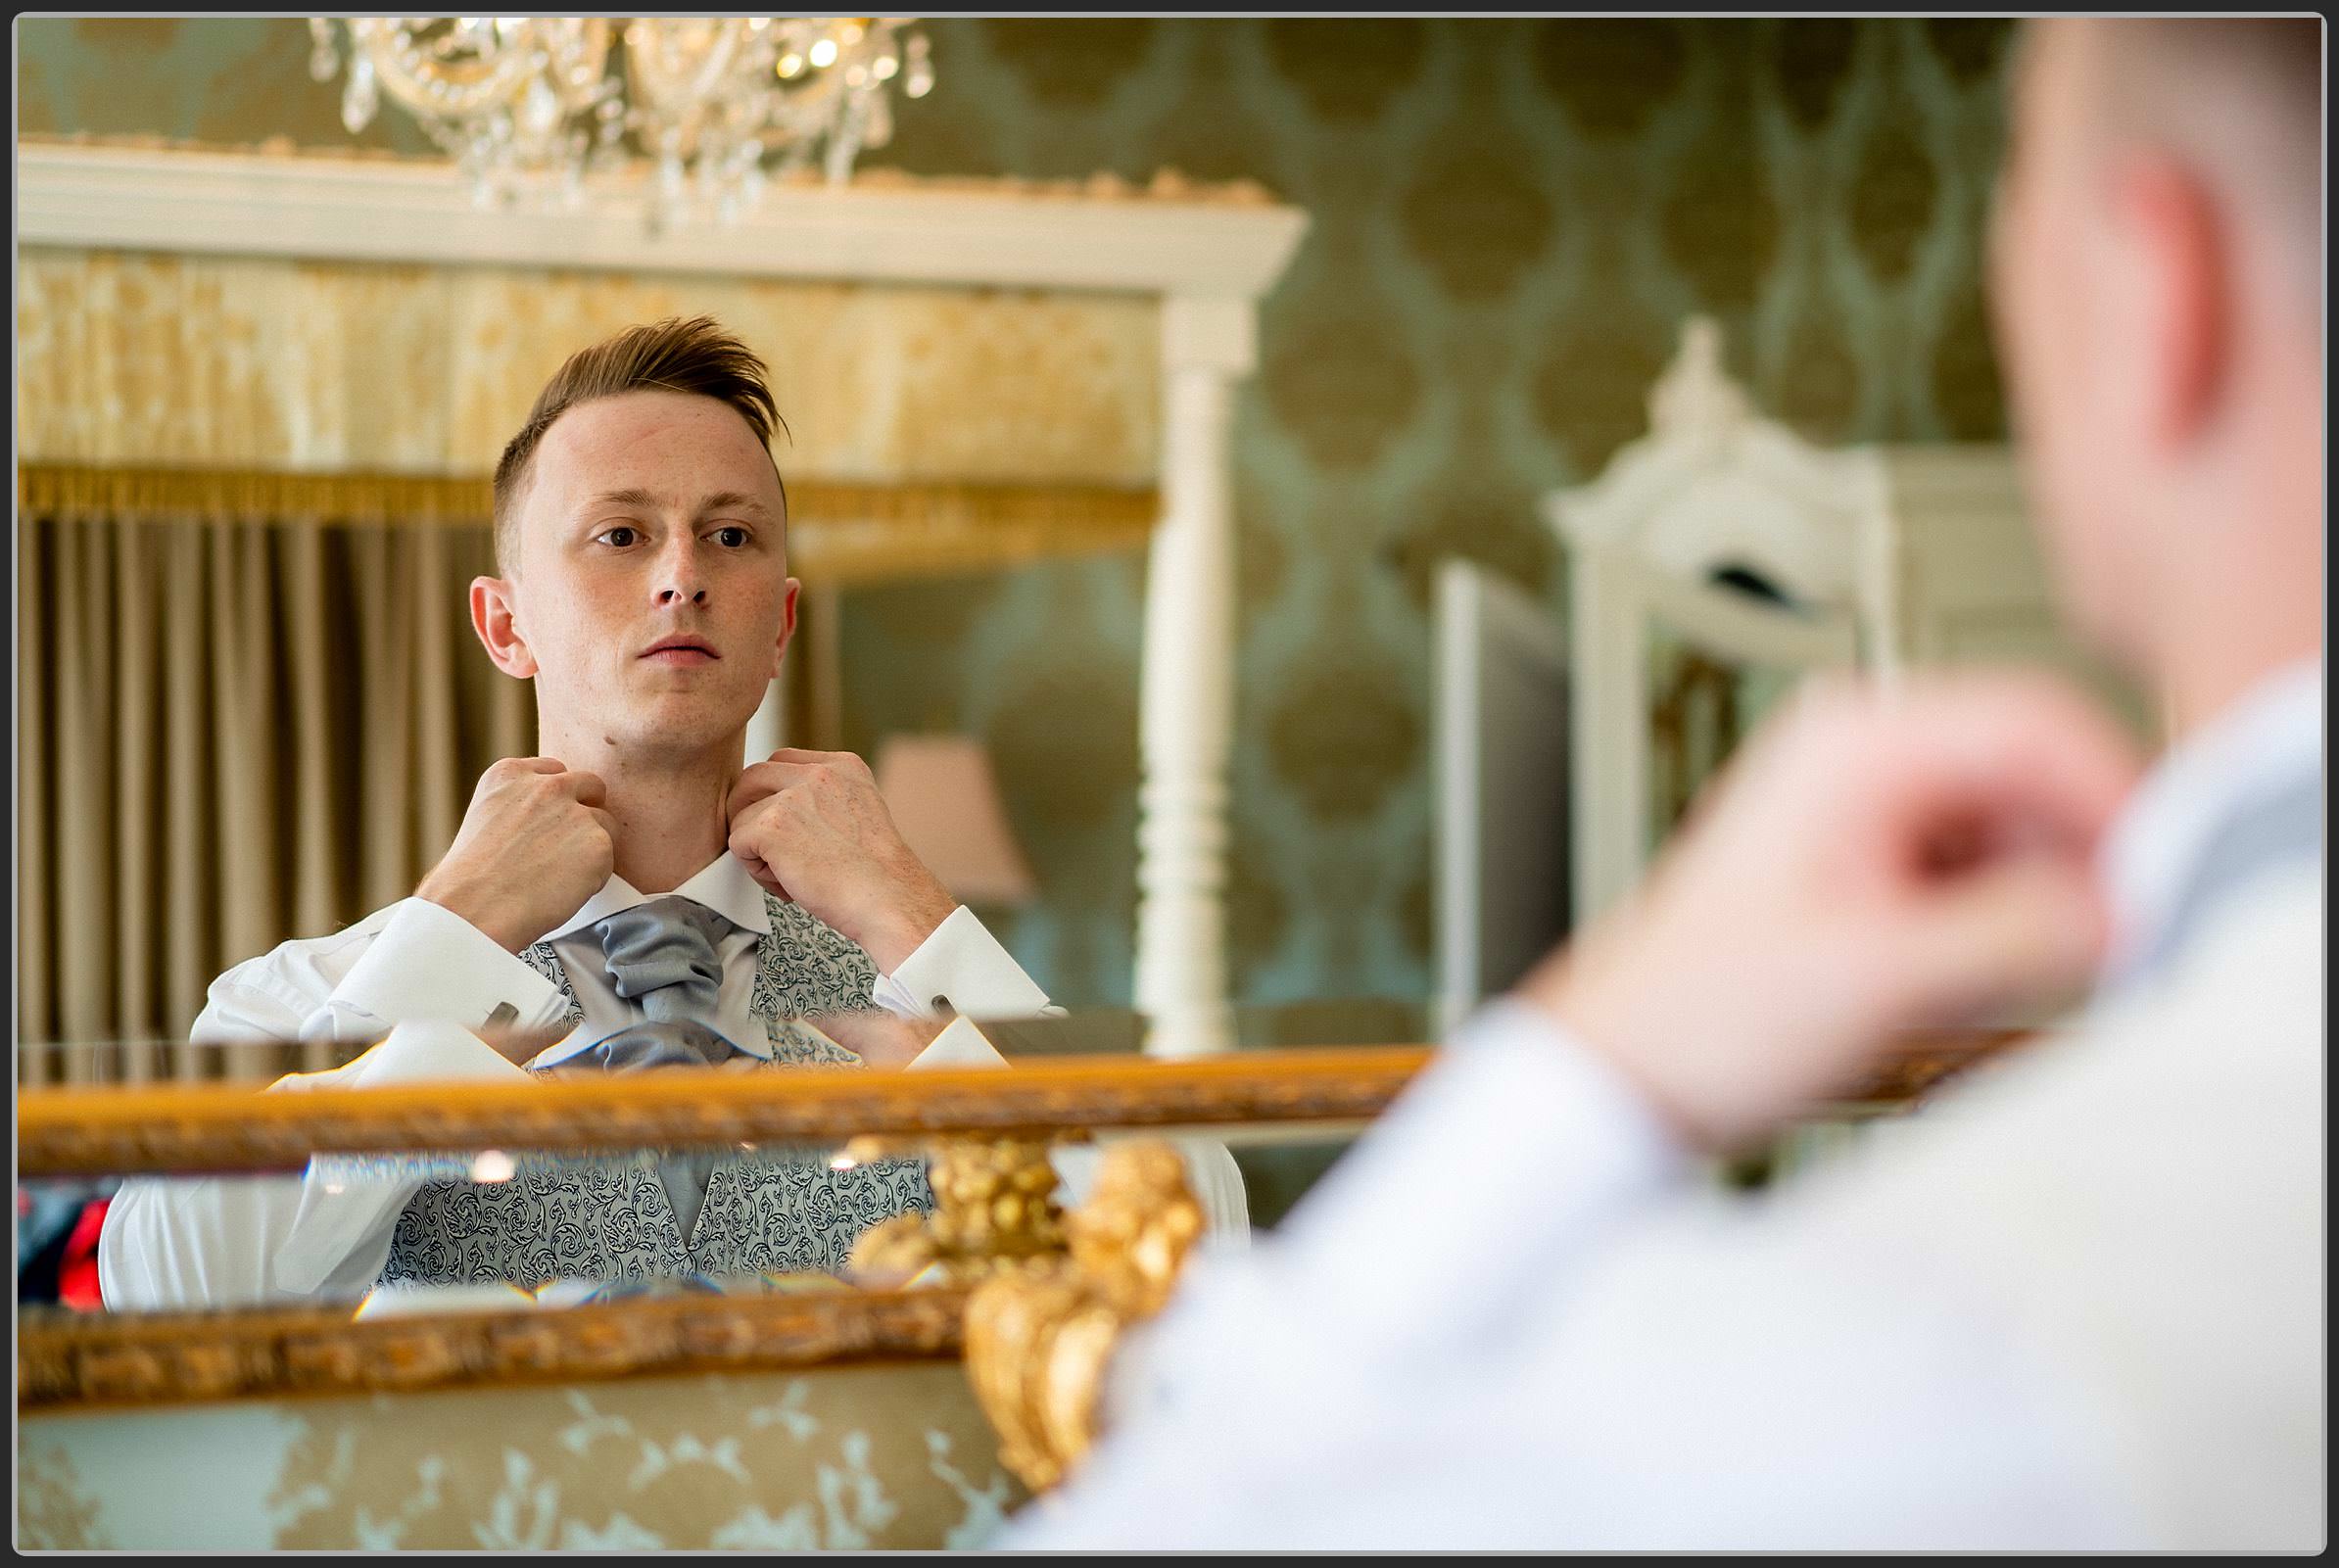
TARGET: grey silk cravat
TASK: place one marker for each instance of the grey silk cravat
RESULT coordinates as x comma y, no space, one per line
661,954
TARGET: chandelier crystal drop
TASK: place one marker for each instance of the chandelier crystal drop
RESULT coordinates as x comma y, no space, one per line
534,104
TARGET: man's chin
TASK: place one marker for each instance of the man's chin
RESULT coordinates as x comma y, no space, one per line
682,722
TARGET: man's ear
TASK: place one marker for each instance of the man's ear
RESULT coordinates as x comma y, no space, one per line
787,626
495,619
2182,277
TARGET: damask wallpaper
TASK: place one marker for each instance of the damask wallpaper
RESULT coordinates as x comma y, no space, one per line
891,1455
1510,218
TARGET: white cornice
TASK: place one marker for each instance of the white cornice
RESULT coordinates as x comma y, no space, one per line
251,204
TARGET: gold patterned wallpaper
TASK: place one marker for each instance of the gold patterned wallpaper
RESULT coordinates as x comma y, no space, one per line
1510,217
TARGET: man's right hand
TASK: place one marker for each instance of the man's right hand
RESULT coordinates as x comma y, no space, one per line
534,847
1872,864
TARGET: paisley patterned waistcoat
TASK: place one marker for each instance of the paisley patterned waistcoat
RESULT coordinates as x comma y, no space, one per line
766,1213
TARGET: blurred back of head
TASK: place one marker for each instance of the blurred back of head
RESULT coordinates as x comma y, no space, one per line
2243,98
2158,278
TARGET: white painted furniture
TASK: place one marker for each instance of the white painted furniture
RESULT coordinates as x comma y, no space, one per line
1208,262
1499,735
1892,556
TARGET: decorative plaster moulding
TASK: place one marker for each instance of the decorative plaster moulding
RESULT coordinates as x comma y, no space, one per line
1178,241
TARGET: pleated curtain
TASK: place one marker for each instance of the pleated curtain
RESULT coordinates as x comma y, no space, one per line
239,722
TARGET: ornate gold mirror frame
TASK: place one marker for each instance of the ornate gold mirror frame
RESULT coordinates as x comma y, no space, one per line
986,1128
1033,1297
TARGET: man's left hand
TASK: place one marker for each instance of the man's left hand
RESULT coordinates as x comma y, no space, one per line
812,828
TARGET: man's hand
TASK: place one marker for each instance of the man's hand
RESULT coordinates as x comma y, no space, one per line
534,845
1875,862
811,827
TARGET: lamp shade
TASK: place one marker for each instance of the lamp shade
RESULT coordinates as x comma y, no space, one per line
945,801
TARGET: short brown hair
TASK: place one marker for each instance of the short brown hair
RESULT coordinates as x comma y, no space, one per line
696,356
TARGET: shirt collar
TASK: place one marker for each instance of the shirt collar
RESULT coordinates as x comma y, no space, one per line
2260,744
723,885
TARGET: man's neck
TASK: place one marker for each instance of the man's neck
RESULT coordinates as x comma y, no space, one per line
666,807
2247,603
2227,636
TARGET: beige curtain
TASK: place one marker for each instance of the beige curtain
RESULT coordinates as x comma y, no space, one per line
249,709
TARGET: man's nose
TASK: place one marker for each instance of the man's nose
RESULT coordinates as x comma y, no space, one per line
680,580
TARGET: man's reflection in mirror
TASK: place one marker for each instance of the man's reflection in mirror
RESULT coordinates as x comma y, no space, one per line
634,892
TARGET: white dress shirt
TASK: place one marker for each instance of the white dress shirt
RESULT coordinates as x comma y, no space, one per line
417,960
2247,754
428,979
2077,1303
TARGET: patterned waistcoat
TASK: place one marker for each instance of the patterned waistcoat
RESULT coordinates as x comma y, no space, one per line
763,1213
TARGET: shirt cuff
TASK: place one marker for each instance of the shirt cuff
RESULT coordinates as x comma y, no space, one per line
962,968
414,1053
429,964
430,1052
961,1045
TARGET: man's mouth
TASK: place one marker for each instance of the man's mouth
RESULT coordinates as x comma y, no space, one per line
681,651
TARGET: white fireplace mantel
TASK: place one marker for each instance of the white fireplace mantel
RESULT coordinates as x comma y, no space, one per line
1208,261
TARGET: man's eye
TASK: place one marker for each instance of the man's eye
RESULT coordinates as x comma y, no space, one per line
620,536
732,538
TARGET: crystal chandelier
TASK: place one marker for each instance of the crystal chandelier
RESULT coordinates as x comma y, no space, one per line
534,102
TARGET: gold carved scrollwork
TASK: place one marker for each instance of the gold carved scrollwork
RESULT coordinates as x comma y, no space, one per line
1039,1342
995,1211
1053,1292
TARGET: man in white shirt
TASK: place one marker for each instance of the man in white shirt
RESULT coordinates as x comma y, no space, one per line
633,875
2076,1303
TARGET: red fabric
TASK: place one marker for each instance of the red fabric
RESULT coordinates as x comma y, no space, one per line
77,1277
